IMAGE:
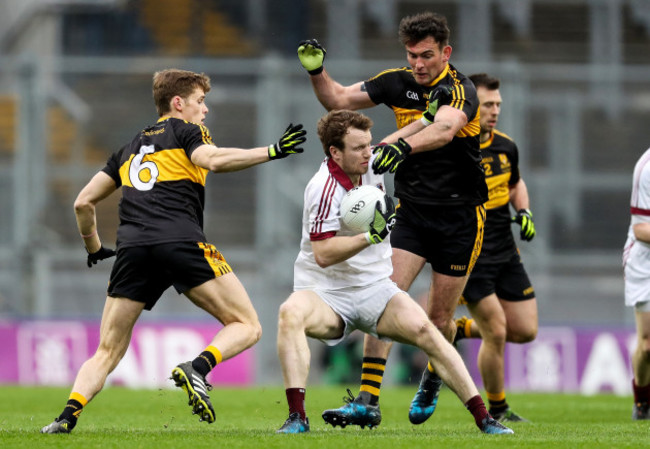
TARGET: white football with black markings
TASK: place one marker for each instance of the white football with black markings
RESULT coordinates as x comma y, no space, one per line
358,207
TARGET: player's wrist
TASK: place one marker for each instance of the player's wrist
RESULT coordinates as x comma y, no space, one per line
316,71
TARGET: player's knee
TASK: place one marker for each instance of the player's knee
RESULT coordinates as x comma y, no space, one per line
643,348
425,334
445,327
289,316
256,332
525,335
495,334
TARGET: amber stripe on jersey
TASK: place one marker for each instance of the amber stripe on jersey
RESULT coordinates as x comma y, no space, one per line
478,243
205,135
498,190
172,164
401,69
215,259
458,97
405,116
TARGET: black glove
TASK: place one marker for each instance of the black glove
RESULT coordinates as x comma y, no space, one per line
389,156
311,55
101,254
439,96
524,218
382,223
292,137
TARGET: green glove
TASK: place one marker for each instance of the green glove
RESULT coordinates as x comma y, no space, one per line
311,55
292,137
382,223
389,156
439,96
524,218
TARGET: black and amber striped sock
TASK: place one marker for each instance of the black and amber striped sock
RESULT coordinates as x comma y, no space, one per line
372,374
497,402
73,409
467,328
207,360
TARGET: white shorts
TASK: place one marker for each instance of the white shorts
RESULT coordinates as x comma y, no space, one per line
637,276
359,307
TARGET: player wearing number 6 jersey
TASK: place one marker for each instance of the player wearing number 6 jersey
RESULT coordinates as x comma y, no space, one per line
160,239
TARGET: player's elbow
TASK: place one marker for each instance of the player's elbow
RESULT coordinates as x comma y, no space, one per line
215,165
82,204
447,135
322,260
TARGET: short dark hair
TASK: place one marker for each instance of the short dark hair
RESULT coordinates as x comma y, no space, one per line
414,28
171,82
333,126
485,80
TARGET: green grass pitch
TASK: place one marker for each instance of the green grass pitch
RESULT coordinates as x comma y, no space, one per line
248,418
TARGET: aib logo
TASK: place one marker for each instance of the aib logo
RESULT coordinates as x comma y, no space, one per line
357,207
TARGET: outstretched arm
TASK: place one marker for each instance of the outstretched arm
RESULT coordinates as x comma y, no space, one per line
221,159
331,94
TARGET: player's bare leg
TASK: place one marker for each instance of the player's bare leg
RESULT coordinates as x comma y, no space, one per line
641,366
490,318
118,319
444,293
403,320
364,409
521,320
224,298
303,314
441,305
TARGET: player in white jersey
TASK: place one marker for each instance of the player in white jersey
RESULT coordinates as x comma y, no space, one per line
342,281
636,264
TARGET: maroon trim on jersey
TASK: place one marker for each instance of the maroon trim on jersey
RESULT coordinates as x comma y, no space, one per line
639,211
339,174
324,206
316,236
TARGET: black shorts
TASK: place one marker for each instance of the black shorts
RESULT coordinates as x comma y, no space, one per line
143,273
507,279
448,237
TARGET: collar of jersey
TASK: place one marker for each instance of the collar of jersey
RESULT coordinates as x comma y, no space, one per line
488,142
338,174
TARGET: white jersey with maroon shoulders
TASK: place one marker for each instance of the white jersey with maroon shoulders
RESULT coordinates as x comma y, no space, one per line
636,254
321,219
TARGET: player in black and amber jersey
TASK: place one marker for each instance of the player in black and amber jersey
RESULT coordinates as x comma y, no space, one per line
161,243
499,294
438,179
